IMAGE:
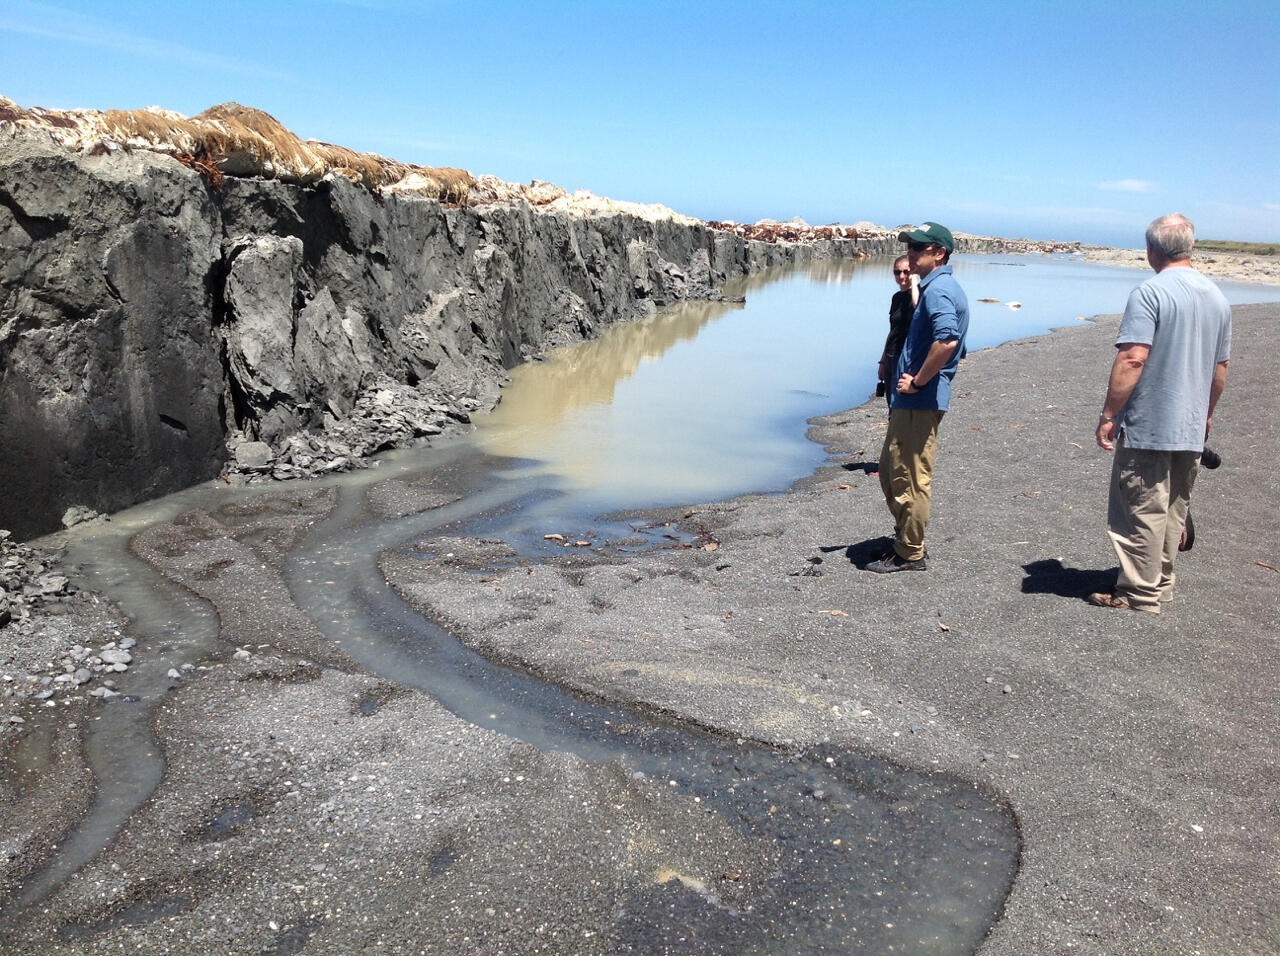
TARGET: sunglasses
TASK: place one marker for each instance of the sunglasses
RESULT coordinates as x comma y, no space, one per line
902,272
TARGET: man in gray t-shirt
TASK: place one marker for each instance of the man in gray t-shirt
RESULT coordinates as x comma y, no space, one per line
1170,369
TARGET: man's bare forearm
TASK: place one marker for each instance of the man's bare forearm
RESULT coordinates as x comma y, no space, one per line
1219,384
1125,372
1215,391
939,354
1131,359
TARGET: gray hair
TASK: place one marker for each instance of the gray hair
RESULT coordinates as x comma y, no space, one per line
901,258
1172,237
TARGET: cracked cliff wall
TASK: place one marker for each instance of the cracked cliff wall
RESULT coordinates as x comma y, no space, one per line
112,381
147,317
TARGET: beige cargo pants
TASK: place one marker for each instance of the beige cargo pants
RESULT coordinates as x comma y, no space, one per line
906,475
1146,511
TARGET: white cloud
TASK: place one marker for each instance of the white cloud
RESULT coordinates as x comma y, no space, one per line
1271,206
55,23
1128,186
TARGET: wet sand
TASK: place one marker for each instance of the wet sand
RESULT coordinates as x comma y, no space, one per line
311,806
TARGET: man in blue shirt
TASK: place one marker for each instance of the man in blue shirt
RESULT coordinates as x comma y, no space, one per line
1169,370
921,394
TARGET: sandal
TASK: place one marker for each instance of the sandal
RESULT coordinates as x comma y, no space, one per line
1113,600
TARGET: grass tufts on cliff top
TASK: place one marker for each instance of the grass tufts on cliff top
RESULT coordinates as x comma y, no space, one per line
239,141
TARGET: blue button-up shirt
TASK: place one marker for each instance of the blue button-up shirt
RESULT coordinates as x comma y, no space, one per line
941,316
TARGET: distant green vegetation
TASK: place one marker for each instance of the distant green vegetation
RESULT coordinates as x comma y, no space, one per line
1230,245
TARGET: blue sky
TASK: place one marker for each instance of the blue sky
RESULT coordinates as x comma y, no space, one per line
1076,120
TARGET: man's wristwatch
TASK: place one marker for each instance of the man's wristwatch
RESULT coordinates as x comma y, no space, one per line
1102,419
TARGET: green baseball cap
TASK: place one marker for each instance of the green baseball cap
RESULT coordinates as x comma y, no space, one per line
929,232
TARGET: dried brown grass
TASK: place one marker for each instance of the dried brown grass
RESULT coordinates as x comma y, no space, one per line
238,140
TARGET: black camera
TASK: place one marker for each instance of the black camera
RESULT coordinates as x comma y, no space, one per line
1210,458
880,389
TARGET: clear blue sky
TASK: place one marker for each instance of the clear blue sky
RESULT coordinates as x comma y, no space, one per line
1078,120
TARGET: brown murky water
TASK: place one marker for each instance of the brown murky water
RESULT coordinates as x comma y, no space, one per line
708,400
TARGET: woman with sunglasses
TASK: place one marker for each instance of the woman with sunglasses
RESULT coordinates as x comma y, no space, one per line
901,308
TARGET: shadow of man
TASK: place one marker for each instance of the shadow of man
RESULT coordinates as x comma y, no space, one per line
1052,577
864,552
866,467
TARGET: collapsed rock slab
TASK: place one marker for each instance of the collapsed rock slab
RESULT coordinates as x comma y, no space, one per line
28,581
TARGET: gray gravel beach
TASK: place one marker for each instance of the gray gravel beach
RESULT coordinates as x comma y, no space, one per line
1138,753
311,806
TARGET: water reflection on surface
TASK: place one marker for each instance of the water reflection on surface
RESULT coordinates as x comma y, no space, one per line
589,373
621,427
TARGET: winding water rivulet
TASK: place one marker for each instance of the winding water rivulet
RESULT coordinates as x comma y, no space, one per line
822,849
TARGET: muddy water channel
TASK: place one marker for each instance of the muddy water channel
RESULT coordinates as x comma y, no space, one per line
835,851
711,400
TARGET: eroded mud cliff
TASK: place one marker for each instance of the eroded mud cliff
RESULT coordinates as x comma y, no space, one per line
179,296
149,317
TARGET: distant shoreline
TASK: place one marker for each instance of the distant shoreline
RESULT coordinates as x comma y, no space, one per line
1235,267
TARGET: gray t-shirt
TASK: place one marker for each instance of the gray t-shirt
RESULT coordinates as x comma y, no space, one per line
1186,321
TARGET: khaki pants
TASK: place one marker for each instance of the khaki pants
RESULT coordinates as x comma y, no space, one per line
1147,508
906,475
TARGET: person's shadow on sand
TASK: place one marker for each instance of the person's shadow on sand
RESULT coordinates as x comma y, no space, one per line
862,553
1051,577
866,467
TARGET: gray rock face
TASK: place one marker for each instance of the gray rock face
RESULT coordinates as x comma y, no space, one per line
146,318
111,379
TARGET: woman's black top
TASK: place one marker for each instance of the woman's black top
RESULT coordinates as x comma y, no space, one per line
900,312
